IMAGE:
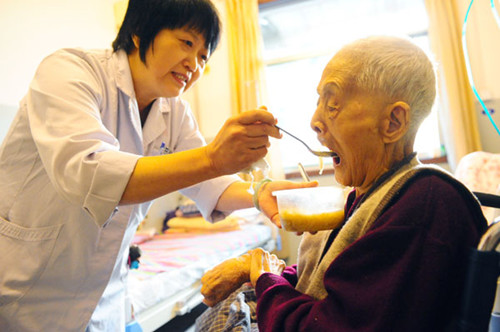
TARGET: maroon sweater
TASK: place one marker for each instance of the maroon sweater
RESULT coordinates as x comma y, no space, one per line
405,274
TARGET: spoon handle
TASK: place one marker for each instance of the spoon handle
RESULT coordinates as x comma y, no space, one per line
303,172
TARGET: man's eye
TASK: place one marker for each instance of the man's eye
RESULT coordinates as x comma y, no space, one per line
188,42
332,108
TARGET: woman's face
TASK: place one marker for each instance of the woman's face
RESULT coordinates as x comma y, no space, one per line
348,123
174,62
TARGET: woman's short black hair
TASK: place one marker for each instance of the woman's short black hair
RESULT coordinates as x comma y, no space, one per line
146,18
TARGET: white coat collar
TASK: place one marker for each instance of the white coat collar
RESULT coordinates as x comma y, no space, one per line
155,126
124,80
125,84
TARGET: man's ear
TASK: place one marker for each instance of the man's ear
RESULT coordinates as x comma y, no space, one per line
136,41
397,122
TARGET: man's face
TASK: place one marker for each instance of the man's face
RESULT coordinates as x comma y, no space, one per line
347,121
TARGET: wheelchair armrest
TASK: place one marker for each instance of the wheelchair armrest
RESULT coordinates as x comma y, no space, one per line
491,238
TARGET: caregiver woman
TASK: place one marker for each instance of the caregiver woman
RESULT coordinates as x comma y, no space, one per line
99,134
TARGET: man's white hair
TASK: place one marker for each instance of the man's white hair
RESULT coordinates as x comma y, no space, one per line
395,67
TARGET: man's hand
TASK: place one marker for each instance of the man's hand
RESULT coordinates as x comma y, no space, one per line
262,262
268,203
219,282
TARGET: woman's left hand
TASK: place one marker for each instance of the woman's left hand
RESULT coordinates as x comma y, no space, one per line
262,262
268,203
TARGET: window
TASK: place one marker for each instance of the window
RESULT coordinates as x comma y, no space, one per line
299,39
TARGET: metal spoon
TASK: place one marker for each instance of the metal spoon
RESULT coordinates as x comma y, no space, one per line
317,153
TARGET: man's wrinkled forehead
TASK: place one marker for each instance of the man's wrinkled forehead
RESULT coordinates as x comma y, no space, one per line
336,77
331,82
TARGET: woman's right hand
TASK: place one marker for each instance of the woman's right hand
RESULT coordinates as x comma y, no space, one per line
242,140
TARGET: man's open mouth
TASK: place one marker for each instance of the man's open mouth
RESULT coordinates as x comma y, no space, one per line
336,159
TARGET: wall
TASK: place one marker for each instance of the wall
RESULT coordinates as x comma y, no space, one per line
32,29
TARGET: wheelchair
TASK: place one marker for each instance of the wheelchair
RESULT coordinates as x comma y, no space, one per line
479,310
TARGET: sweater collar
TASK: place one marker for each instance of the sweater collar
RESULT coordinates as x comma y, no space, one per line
354,202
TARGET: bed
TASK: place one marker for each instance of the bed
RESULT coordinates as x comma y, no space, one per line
167,282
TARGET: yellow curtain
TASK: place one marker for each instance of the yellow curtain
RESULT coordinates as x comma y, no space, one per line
461,134
245,55
246,65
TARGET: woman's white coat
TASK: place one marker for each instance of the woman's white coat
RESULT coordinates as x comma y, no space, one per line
63,168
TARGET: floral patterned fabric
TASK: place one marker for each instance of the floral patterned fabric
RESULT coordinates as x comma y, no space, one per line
480,171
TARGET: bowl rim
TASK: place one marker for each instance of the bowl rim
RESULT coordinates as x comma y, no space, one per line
323,188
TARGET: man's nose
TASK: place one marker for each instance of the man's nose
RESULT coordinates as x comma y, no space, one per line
317,125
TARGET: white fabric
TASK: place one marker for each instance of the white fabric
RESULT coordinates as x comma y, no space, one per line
63,168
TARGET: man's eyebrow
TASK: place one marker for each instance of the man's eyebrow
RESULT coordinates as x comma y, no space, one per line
328,88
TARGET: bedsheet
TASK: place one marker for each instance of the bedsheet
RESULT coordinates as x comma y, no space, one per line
171,263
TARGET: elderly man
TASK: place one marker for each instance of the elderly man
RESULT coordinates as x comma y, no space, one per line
397,262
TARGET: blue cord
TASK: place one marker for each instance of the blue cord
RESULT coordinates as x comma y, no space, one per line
467,61
495,14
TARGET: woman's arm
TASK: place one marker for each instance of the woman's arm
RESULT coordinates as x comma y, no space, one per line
238,196
242,140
